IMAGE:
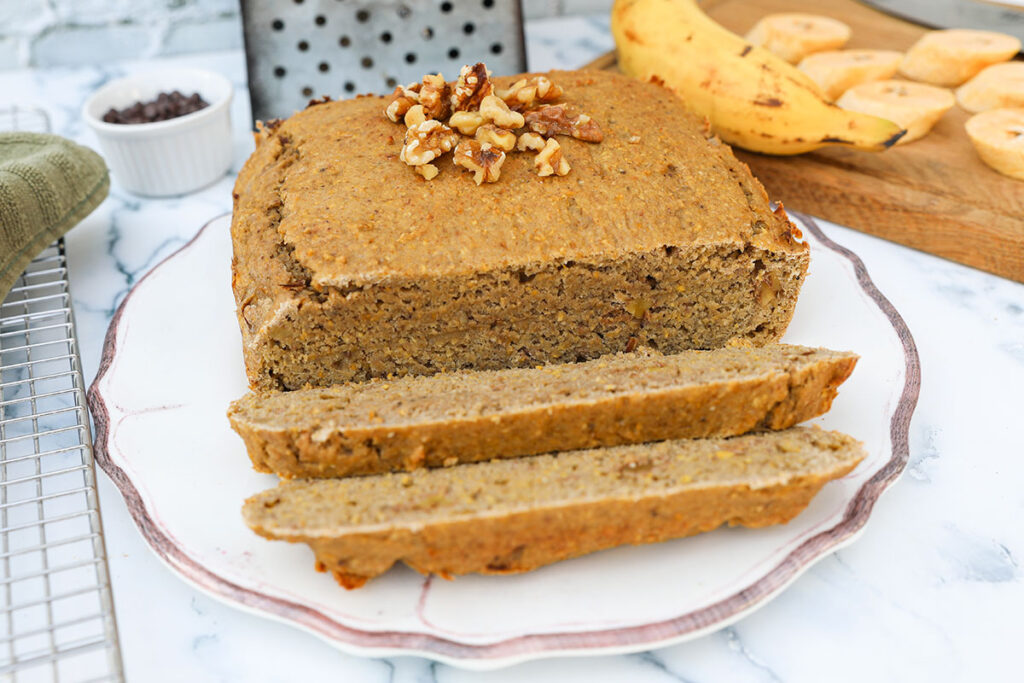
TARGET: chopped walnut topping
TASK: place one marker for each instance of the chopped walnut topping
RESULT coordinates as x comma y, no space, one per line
482,123
466,122
482,158
494,109
549,161
505,140
556,120
524,93
426,142
428,171
434,97
530,141
415,116
398,108
472,87
404,97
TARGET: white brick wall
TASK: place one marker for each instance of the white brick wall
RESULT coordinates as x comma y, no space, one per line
59,32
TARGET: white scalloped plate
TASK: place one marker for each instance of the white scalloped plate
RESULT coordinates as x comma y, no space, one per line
172,362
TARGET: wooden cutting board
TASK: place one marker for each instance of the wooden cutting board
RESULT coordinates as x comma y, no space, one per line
933,194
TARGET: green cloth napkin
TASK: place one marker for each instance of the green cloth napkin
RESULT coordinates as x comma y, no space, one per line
47,185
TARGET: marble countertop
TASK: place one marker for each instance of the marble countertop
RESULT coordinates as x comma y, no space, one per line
932,591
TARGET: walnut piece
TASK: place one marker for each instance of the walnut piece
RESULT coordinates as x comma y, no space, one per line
466,122
426,142
532,141
524,93
482,158
401,101
505,140
415,116
494,109
472,87
434,97
549,161
555,119
428,171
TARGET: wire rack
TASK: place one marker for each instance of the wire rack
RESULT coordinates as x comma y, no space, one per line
56,611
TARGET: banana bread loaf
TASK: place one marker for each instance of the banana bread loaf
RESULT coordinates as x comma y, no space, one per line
444,419
349,266
506,516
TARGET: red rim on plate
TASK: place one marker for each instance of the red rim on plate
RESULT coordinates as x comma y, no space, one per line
632,637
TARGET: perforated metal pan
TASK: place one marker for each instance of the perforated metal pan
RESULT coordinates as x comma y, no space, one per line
300,49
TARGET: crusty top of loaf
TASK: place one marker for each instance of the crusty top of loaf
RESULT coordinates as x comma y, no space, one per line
351,213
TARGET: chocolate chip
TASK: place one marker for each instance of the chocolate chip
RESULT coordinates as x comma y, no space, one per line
166,106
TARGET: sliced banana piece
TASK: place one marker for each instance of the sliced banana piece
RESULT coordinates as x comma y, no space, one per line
914,106
836,71
999,85
793,35
998,135
952,56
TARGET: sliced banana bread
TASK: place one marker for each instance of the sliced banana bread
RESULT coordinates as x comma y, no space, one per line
468,416
349,266
515,515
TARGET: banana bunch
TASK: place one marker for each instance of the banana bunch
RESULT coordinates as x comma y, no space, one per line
752,98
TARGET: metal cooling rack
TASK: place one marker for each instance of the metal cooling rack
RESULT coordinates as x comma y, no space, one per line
56,611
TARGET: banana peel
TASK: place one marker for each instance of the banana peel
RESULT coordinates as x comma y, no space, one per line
751,98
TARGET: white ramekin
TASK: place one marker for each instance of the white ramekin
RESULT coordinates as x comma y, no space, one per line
166,157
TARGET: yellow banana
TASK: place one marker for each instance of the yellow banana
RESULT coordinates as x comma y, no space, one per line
752,98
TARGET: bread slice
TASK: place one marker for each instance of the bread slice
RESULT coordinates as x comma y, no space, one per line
507,516
469,416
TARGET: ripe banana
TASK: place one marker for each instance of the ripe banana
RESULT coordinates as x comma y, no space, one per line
752,98
998,135
953,56
915,106
836,71
999,85
794,35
